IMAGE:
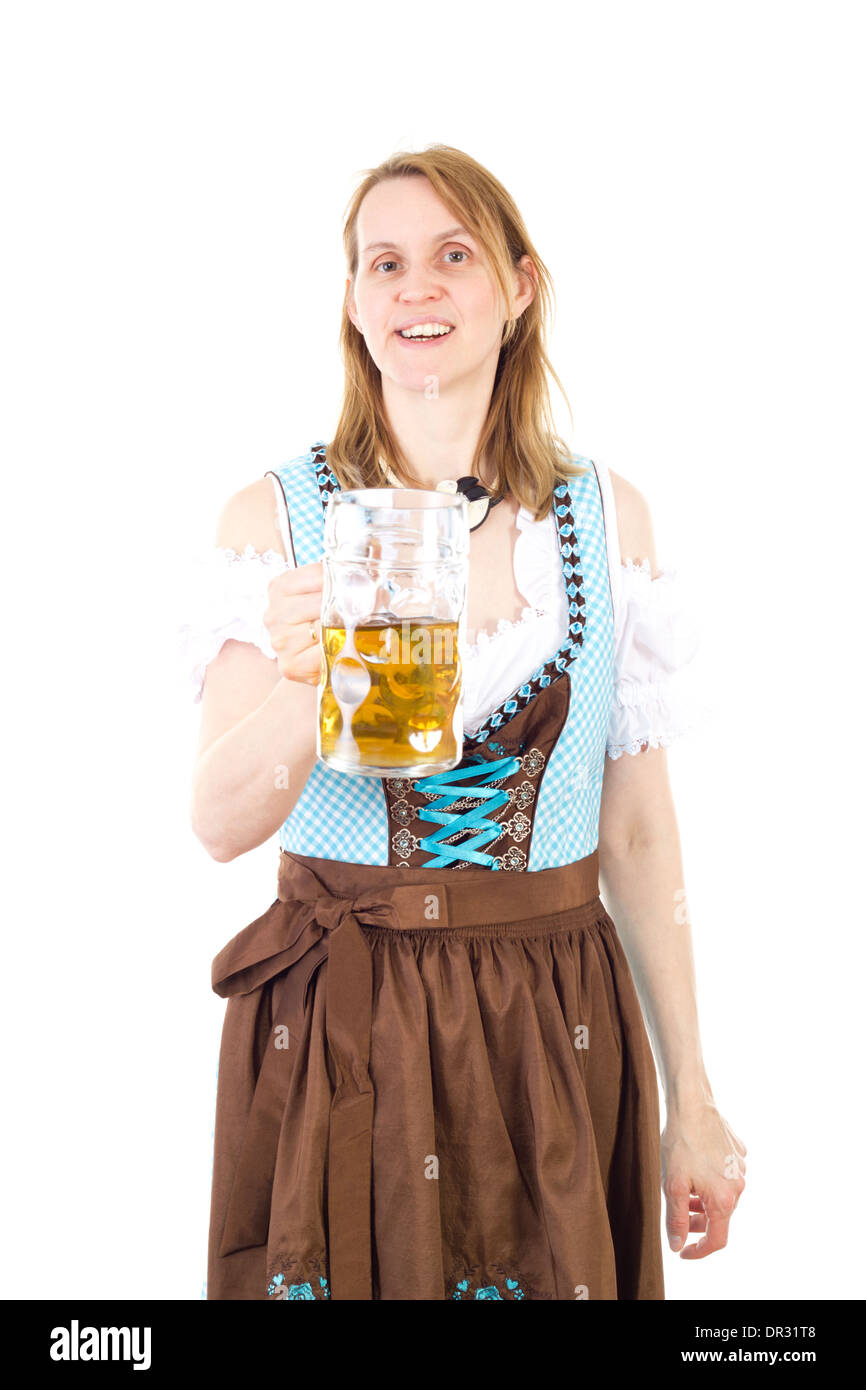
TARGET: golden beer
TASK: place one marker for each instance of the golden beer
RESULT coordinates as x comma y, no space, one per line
391,696
394,577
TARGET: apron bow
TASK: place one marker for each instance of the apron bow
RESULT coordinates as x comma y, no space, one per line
286,945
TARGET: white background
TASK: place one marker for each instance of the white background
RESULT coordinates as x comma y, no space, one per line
175,177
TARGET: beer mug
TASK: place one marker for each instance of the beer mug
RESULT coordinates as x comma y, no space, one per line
395,568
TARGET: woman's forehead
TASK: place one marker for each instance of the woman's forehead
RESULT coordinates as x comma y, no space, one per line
405,210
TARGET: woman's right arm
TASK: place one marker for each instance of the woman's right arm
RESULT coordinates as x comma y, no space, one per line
257,742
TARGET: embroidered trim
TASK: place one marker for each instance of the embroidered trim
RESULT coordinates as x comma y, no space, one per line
463,1288
513,859
305,1279
326,479
278,1287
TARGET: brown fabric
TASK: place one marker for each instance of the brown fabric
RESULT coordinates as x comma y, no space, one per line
403,1111
530,736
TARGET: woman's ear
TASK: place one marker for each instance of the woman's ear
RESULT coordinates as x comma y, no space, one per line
526,284
349,300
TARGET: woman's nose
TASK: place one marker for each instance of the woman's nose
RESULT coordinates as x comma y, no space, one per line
419,284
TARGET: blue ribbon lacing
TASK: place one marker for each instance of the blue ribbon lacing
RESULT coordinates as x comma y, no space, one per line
476,819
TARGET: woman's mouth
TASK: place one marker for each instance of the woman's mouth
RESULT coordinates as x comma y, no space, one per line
423,338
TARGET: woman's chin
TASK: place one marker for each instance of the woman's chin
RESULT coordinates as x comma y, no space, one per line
420,377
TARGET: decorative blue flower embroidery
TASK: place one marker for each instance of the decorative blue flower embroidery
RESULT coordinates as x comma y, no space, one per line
489,1290
278,1288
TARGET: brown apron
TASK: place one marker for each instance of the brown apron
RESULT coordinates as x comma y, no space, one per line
301,1205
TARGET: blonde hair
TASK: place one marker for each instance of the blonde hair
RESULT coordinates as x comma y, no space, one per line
531,459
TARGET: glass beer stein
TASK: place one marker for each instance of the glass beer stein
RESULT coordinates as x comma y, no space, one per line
393,629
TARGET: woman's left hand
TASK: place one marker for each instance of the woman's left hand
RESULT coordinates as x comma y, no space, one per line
702,1177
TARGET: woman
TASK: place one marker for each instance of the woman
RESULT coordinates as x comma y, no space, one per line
463,1107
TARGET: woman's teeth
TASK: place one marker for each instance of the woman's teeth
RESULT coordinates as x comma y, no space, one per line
425,330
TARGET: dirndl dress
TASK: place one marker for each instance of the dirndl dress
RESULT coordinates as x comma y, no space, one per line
435,1081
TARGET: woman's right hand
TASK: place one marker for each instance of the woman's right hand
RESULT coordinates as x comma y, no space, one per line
292,620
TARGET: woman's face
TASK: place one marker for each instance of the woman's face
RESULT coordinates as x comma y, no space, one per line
429,270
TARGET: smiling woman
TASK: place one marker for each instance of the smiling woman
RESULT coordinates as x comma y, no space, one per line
436,1079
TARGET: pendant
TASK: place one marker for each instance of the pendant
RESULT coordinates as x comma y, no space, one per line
477,495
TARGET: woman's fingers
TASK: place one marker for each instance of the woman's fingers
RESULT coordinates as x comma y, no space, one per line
718,1204
307,666
697,1215
677,1194
305,579
299,655
292,619
292,609
703,1181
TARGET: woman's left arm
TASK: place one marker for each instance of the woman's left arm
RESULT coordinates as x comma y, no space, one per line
642,882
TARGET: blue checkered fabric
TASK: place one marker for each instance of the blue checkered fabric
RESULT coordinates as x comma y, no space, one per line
339,816
569,799
299,478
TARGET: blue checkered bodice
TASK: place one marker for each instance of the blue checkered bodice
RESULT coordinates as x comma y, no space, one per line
357,819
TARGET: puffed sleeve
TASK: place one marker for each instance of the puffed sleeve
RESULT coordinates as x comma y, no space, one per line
226,594
656,636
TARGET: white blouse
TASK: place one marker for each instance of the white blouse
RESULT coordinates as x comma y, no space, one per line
655,634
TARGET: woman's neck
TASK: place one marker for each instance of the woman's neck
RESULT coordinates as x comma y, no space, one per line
428,477
437,436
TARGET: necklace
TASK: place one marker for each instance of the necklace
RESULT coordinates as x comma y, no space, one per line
477,495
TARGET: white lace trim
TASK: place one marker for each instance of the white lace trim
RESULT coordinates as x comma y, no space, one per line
655,717
653,712
637,745
267,557
226,599
485,636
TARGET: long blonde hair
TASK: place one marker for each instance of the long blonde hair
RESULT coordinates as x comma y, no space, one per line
531,459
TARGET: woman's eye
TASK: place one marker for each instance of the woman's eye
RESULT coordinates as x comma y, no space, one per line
383,264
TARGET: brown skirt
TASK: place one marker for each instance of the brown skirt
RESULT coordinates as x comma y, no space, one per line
433,1084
